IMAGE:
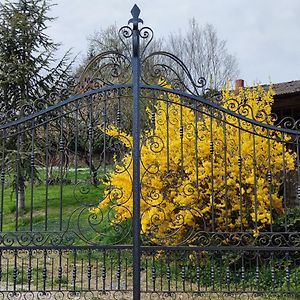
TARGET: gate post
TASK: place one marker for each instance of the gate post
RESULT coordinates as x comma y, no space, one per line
136,75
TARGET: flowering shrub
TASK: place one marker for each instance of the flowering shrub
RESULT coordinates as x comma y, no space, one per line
203,169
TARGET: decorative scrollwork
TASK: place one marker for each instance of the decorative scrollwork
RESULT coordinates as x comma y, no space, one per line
107,68
193,185
125,32
168,67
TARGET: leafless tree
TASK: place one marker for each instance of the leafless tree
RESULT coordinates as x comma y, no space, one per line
204,53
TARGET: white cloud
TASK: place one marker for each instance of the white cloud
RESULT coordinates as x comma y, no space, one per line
264,35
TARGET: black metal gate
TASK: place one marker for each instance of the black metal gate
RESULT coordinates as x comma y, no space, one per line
137,186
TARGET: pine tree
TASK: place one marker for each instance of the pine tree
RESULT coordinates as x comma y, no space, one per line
27,57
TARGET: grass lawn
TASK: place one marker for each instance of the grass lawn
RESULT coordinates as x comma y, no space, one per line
62,209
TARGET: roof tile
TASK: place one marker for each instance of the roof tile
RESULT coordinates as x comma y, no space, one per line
284,88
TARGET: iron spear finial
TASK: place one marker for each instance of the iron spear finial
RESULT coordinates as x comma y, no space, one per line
135,12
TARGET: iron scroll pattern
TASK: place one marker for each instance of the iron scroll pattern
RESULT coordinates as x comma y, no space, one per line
84,142
113,67
67,148
108,69
178,124
168,70
106,274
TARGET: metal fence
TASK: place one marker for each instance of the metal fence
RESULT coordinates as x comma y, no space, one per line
124,188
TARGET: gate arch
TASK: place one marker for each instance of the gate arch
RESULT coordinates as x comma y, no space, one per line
157,208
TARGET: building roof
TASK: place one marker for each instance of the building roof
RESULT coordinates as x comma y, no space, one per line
284,88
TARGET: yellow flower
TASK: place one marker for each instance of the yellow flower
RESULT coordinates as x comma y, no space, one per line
186,167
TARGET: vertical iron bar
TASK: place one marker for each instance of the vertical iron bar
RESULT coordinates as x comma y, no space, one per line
76,144
257,271
153,270
136,62
243,272
168,272
126,274
81,275
74,271
221,272
255,178
234,276
17,177
67,272
183,271
146,275
240,163
111,273
2,179
153,118
104,115
29,271
32,165
285,182
47,174
181,128
90,138
211,151
97,273
119,271
119,111
61,181
167,134
161,273
198,272
89,271
272,271
287,272
22,274
225,172
59,270
196,147
37,274
44,271
227,275
176,274
52,273
15,272
7,274
298,171
104,271
269,178
212,271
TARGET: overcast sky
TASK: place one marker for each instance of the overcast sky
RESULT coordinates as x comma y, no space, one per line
264,35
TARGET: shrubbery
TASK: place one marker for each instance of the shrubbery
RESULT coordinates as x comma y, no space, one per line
202,169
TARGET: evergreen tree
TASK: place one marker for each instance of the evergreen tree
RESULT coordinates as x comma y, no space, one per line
27,57
27,54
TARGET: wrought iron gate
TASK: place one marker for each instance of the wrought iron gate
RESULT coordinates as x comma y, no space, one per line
131,183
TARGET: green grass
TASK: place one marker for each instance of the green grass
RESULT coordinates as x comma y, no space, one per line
63,208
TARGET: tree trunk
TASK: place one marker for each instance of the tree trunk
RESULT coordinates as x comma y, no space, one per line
21,173
93,171
21,195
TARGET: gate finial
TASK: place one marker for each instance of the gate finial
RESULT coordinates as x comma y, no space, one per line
135,12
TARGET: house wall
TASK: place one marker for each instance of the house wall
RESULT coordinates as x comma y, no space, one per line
287,105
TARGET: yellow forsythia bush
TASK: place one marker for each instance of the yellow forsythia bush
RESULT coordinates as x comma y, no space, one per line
200,172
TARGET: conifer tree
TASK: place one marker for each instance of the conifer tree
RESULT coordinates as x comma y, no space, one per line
28,68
